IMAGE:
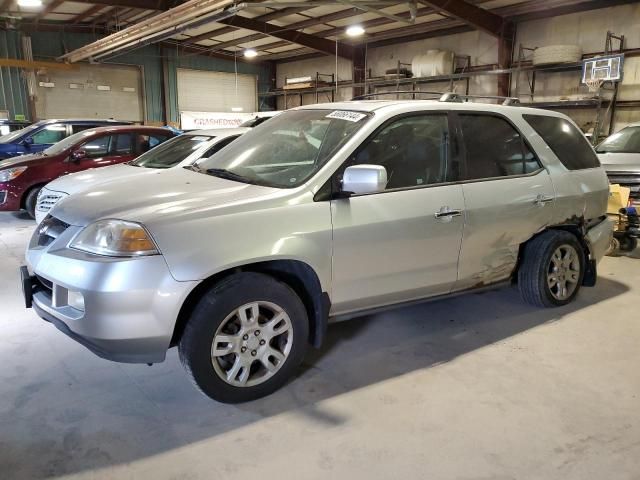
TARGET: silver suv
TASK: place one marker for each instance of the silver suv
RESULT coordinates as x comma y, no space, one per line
324,212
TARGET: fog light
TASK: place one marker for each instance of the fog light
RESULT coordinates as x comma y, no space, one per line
75,300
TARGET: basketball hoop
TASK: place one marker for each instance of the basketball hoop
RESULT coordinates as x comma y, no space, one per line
594,84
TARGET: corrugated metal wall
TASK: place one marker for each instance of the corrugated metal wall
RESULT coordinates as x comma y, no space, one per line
13,87
50,45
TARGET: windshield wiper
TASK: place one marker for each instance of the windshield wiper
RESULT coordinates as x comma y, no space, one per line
222,173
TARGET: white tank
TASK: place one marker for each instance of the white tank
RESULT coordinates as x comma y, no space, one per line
432,63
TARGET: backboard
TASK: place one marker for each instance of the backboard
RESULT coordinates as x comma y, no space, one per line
607,68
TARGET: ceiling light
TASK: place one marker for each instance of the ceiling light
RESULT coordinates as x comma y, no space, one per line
236,109
355,31
30,3
250,53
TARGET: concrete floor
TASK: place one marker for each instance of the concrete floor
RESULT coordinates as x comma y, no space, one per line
477,387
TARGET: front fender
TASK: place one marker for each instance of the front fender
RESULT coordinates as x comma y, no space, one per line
199,248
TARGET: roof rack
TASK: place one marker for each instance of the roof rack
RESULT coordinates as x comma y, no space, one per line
443,96
457,97
398,92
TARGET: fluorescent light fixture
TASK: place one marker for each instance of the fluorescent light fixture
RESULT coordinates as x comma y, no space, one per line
355,31
236,109
30,3
250,53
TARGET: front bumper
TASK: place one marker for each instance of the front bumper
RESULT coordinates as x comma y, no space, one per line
130,304
9,197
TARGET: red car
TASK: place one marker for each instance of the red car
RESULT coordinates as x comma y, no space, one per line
21,178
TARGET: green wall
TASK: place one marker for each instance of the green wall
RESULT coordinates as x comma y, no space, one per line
50,45
13,86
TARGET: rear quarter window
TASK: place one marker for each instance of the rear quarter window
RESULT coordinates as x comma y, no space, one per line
565,140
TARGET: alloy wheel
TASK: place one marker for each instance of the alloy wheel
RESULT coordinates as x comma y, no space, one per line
251,344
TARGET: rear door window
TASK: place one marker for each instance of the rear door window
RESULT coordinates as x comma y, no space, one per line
122,144
567,142
80,128
147,142
494,148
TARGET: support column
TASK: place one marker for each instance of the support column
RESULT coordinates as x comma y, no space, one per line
359,66
505,57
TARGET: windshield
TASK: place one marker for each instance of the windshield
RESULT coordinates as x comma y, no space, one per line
13,136
287,150
626,140
171,152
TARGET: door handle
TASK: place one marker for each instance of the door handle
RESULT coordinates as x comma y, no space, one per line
542,199
445,212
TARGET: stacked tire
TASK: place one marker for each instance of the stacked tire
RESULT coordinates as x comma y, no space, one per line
557,54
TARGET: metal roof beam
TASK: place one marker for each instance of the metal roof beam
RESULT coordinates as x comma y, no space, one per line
48,9
316,43
264,18
87,13
470,14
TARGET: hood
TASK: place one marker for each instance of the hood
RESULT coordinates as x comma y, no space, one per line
22,160
620,162
7,150
92,178
157,197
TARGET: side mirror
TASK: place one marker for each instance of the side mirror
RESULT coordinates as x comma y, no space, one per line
78,155
28,141
360,179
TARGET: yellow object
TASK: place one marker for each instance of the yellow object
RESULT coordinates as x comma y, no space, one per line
618,198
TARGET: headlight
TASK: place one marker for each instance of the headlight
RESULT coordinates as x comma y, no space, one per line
11,173
115,238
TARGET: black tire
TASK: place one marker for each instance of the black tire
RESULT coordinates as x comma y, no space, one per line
31,200
536,262
614,247
195,346
627,243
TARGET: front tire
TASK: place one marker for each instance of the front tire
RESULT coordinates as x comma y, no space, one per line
245,338
31,201
552,269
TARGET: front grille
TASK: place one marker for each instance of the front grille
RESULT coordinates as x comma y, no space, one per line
3,197
50,229
46,201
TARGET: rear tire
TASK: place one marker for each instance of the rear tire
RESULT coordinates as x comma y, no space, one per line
31,200
552,269
245,338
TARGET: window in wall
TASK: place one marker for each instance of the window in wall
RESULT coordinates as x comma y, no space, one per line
567,142
414,150
494,148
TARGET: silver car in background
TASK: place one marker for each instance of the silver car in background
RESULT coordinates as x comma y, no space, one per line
619,154
323,213
183,150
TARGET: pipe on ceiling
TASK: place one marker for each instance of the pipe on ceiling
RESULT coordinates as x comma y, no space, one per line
174,20
413,9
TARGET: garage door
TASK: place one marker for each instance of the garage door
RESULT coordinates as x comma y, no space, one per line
91,91
202,91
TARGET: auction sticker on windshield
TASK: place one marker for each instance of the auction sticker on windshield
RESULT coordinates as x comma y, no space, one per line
348,116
